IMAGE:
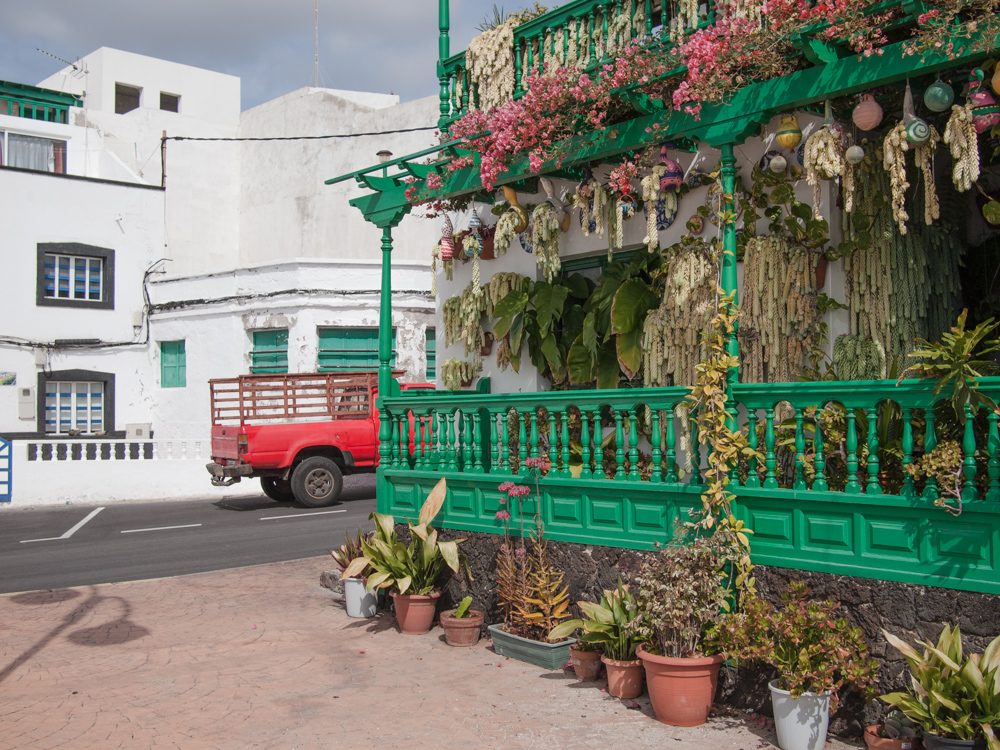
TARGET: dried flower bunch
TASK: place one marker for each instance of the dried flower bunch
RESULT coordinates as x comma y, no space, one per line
963,141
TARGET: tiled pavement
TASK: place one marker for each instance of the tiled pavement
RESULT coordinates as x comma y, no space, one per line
263,657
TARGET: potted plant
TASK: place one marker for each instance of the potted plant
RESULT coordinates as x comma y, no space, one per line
814,651
462,624
896,732
530,590
358,601
955,698
608,626
681,593
410,572
586,661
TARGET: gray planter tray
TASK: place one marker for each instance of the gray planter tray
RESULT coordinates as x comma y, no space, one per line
548,655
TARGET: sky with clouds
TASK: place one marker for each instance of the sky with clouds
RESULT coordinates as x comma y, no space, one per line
368,45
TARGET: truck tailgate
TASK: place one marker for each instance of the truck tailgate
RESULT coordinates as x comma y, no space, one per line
224,442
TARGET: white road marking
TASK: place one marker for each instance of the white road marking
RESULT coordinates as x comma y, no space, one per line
161,528
69,533
301,515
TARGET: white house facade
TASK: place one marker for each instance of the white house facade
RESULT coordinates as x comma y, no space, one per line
155,248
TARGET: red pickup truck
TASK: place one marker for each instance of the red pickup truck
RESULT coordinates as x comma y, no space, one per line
300,433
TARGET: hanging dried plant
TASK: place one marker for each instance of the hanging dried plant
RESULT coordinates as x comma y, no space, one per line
963,141
545,238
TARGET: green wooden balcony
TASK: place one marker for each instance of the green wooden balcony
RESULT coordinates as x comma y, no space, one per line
624,467
34,103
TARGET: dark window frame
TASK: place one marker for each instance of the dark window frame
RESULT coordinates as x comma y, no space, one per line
176,101
108,378
107,301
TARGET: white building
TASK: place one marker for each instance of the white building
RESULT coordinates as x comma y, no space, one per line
148,266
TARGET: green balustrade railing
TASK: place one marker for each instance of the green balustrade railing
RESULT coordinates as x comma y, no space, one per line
629,434
830,491
553,39
861,437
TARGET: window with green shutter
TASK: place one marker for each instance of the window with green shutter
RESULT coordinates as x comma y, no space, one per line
351,349
173,364
270,351
430,347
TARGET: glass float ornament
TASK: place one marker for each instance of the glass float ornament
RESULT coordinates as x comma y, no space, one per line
777,164
917,131
789,133
991,212
939,96
475,225
855,154
447,241
867,115
985,112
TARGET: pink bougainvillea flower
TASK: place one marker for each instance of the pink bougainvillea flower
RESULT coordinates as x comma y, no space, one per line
503,515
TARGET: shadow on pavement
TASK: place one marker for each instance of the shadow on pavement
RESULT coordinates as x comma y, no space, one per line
356,487
113,633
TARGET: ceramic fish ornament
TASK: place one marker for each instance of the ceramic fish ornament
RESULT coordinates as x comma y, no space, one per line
985,112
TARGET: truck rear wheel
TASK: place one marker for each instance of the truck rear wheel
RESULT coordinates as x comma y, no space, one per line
317,482
279,490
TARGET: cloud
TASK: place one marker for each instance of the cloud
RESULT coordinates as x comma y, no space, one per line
374,45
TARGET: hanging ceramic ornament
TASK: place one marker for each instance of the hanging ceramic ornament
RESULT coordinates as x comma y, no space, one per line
855,154
447,241
867,115
985,112
995,81
475,225
673,175
778,164
789,134
939,96
917,130
510,196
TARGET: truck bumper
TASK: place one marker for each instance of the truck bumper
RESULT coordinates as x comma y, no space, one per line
223,476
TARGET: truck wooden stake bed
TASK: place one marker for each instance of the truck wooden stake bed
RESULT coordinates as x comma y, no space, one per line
299,433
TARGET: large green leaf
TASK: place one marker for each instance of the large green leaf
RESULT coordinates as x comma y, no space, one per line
507,310
579,286
553,357
548,300
580,363
629,350
632,302
590,332
432,505
608,373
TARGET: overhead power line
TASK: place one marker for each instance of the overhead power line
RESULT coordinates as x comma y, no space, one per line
302,137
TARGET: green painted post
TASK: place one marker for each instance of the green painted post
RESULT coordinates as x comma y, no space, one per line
518,73
800,449
391,443
695,451
753,477
819,481
873,486
492,462
593,38
502,438
930,443
553,455
657,456
564,438
619,444
444,52
649,16
585,472
993,463
728,278
633,444
969,491
671,439
522,441
770,459
533,451
907,446
852,453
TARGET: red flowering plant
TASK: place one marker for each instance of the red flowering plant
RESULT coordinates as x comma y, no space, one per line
530,592
808,642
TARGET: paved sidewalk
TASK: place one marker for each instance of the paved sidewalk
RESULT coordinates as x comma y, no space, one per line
262,657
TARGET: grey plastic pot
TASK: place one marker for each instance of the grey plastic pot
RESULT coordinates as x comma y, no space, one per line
357,601
800,723
934,742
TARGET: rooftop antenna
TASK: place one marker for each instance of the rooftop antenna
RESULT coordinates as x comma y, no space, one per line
78,71
316,43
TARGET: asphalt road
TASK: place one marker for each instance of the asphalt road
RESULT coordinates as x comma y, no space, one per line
77,545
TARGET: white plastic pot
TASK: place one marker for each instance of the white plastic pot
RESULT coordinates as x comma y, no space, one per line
357,601
801,723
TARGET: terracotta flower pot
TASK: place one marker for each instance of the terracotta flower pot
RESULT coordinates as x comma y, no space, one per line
624,677
586,664
821,265
681,690
874,742
462,631
488,252
415,612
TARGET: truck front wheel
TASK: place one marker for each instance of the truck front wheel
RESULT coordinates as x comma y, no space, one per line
317,482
